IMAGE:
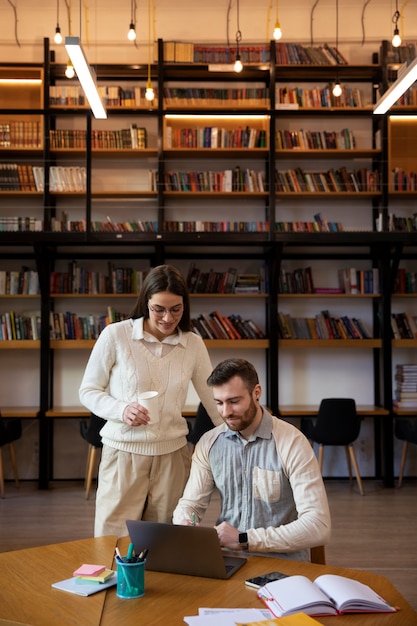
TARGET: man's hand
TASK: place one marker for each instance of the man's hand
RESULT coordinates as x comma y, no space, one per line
228,536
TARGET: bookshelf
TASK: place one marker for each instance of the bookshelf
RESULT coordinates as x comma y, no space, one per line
128,215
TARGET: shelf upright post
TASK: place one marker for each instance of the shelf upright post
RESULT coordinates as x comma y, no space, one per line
161,165
89,171
272,326
390,263
46,365
271,215
48,203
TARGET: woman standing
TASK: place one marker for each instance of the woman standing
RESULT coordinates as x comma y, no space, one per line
145,465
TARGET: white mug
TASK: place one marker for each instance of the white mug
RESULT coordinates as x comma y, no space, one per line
149,399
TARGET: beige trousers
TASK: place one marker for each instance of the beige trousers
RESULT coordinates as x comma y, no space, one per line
134,486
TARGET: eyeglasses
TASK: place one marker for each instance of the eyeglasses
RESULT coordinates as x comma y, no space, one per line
161,311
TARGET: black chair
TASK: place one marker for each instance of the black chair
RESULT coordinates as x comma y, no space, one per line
10,431
202,424
337,424
90,431
405,429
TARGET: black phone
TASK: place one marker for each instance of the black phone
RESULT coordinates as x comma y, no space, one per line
260,581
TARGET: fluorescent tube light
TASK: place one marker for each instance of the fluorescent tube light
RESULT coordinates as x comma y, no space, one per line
85,76
407,75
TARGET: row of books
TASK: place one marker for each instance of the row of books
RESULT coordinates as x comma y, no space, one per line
19,282
79,280
322,326
20,134
214,137
114,95
288,53
216,97
407,51
404,326
230,281
315,139
299,280
18,326
351,281
406,386
318,98
138,226
333,180
23,177
409,98
323,226
176,51
255,53
400,180
14,223
403,224
72,178
405,281
354,281
17,177
215,227
227,181
217,326
72,326
132,137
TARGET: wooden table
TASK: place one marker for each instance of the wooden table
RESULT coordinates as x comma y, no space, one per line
26,595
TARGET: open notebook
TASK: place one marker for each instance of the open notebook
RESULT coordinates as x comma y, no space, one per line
191,550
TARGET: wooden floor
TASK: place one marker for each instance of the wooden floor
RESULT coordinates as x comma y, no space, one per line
376,532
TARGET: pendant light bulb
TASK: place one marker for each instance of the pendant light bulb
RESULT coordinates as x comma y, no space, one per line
396,40
238,66
58,36
149,93
277,31
131,35
69,70
337,90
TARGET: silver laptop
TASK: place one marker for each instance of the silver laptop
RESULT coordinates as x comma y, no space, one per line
191,550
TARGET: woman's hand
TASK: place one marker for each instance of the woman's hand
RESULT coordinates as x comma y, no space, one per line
135,415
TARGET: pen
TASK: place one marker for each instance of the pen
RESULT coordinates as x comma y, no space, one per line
130,553
142,556
193,519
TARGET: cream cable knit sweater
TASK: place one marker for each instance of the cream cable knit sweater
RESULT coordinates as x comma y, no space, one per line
121,367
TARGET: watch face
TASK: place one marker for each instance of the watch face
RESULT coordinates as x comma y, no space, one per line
243,538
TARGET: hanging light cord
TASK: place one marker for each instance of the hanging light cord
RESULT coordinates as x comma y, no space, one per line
363,20
396,15
229,7
15,21
68,5
238,32
312,20
149,41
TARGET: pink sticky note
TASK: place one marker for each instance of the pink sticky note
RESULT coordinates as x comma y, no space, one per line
87,569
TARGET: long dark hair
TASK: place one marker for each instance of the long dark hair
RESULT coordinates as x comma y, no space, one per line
163,278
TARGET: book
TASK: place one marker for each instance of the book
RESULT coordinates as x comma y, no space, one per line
82,587
329,594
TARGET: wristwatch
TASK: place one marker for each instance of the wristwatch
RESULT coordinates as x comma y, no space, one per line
243,541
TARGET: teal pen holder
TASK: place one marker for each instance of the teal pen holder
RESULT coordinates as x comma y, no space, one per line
130,580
